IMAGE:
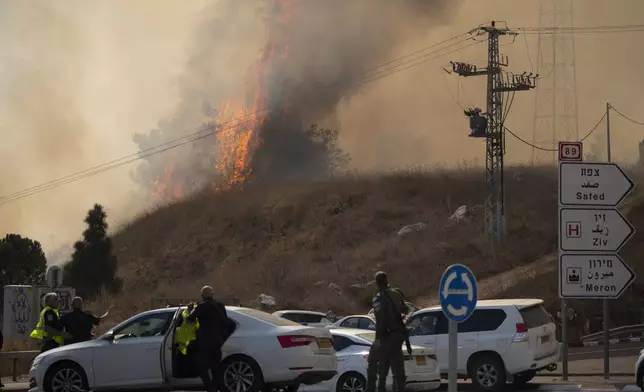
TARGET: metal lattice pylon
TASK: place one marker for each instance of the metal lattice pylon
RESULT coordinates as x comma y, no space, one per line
555,108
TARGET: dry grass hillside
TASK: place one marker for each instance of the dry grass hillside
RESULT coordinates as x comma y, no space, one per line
311,245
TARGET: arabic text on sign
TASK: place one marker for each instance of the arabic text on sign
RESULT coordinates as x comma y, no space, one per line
590,185
599,275
600,230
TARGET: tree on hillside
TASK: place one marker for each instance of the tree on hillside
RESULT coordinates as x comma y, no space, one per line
93,266
22,261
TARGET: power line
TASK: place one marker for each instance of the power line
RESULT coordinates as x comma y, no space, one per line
626,117
526,142
582,29
209,131
593,128
550,149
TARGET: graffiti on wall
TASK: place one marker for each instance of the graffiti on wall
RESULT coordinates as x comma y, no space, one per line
21,311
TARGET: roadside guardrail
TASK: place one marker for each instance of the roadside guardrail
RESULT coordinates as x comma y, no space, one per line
626,331
15,356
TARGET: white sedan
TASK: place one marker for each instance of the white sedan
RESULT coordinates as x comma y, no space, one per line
357,321
352,347
264,351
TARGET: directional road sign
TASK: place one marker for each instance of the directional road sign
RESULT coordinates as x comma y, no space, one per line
600,230
458,292
593,276
599,184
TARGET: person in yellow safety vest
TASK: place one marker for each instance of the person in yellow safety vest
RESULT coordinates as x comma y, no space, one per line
185,339
48,331
186,332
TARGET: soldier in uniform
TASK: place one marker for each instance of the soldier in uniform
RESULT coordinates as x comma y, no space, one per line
386,352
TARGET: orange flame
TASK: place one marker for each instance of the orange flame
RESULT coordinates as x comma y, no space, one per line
237,140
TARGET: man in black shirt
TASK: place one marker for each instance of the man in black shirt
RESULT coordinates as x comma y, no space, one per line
214,329
79,323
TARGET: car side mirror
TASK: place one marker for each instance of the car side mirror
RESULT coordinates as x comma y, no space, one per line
109,336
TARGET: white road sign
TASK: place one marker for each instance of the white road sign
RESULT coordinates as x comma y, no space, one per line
599,184
600,230
592,276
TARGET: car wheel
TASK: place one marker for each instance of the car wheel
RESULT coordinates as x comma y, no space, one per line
241,374
521,379
488,373
65,377
351,382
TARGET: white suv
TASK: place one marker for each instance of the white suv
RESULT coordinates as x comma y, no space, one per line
504,340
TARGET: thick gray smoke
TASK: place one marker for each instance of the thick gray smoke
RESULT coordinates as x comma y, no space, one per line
308,58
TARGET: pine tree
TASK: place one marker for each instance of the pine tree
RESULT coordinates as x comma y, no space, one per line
22,261
93,266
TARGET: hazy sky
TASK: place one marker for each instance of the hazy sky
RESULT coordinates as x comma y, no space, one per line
79,78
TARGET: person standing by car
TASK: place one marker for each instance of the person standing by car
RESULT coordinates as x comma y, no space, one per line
79,323
214,329
49,330
389,305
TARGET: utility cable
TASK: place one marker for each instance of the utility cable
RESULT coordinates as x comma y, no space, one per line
549,149
626,117
212,129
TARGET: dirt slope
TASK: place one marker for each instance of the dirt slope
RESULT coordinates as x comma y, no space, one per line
308,244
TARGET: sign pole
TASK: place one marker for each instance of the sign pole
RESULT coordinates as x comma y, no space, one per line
458,293
564,339
453,355
606,310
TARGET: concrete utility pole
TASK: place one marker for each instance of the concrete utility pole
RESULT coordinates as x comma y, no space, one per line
490,125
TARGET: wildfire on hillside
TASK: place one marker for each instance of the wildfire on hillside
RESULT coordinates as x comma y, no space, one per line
238,122
275,72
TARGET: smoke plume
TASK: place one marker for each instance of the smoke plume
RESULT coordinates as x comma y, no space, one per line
298,60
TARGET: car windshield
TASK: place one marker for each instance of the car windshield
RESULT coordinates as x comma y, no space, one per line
368,336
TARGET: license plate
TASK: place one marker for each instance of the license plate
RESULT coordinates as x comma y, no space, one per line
545,339
324,343
420,360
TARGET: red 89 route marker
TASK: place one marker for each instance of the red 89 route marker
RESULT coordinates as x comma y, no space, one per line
570,151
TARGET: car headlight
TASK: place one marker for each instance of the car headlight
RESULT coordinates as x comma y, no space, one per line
36,362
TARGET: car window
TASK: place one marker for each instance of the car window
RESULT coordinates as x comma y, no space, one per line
281,321
428,323
366,323
483,320
313,319
351,322
535,316
155,324
291,316
341,342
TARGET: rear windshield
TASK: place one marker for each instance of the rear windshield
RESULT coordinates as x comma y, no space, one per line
306,318
368,336
267,318
535,316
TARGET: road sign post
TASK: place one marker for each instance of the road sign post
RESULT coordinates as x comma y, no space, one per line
458,293
591,232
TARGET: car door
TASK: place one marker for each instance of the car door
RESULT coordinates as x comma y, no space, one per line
468,342
422,328
366,323
351,322
131,356
342,346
